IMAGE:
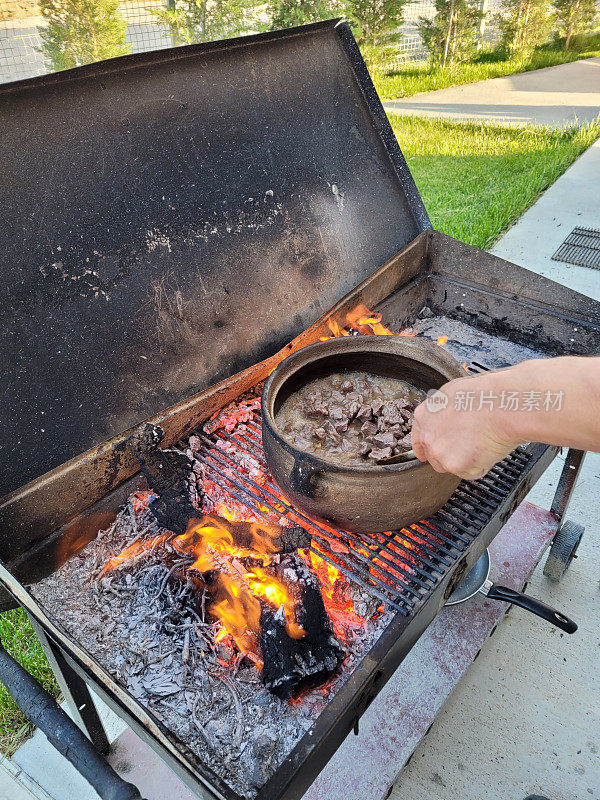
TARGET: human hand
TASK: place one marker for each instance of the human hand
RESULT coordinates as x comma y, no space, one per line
464,441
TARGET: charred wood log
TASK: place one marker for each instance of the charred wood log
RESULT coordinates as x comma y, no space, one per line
248,535
290,663
170,475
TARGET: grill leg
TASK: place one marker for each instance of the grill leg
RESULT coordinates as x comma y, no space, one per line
75,692
566,483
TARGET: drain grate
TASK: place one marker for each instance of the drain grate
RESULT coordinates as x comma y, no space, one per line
581,247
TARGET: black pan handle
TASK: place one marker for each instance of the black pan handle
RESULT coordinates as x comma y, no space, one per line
43,710
496,592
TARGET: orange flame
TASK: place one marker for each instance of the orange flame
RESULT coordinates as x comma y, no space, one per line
441,340
133,552
237,591
364,321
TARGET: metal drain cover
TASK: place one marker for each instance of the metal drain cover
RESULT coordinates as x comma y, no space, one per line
581,247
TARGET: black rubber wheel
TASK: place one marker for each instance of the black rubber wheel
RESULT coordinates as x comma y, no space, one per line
563,550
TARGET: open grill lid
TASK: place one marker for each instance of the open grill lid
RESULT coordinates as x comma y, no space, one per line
173,217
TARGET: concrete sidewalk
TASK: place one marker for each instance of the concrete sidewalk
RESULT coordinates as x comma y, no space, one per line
555,96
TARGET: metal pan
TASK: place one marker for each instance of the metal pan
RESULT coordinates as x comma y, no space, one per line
478,580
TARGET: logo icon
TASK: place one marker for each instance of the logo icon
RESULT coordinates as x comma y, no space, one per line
436,400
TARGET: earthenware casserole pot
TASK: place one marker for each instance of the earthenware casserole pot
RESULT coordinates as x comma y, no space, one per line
372,498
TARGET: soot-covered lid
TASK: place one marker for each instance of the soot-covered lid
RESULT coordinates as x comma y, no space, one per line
172,217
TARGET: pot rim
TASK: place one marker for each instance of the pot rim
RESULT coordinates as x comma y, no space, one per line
350,343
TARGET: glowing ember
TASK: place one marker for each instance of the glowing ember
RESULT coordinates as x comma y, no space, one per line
441,340
133,552
141,500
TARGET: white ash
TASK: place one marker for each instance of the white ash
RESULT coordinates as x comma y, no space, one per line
142,625
467,343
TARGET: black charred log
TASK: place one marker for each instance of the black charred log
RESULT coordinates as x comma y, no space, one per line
246,534
289,663
170,475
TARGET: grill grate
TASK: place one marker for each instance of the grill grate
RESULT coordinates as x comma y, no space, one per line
401,567
581,247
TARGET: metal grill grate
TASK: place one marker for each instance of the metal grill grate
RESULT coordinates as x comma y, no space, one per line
399,567
581,247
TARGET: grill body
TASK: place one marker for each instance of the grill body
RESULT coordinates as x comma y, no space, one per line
318,258
82,497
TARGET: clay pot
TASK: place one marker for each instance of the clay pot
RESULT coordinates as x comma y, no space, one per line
372,498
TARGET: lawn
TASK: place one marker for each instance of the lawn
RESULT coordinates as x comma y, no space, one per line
417,77
19,639
475,180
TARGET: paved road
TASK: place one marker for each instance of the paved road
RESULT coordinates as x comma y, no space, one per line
554,96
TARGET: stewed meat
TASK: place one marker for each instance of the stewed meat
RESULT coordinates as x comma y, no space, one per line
351,418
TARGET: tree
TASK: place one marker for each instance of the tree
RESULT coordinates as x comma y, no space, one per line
288,13
81,31
524,24
192,21
376,25
451,35
575,16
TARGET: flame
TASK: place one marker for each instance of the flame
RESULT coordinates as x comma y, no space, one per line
441,340
237,591
335,328
361,317
133,552
364,321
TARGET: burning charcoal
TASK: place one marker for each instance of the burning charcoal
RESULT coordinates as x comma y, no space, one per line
320,433
347,386
364,449
354,397
244,534
291,662
378,453
170,474
347,447
337,397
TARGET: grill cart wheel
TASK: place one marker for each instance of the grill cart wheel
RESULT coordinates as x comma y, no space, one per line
563,550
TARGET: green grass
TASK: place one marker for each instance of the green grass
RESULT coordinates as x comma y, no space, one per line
475,180
422,78
17,636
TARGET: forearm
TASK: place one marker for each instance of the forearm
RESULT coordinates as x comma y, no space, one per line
553,401
559,402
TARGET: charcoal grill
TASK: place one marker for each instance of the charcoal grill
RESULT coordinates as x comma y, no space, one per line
177,222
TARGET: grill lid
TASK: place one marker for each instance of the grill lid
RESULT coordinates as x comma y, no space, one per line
173,217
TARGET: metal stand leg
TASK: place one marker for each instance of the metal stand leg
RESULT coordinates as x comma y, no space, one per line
566,483
75,692
569,534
